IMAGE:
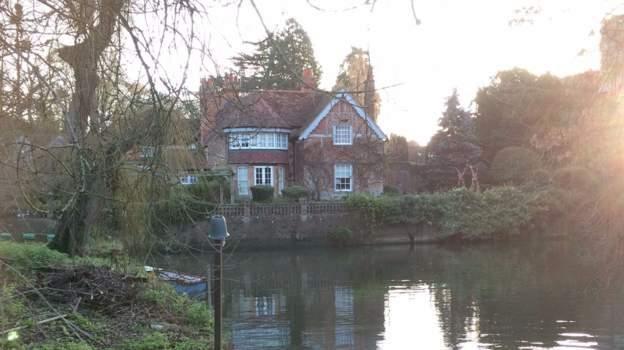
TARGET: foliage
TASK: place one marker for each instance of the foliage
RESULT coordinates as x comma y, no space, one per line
355,75
262,193
295,192
390,190
340,237
191,312
514,165
396,149
452,148
521,109
499,211
159,341
278,61
182,206
64,345
12,309
574,178
153,341
30,256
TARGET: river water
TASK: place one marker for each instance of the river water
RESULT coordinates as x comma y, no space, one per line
492,296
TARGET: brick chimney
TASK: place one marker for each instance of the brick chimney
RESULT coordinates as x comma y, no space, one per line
212,97
308,82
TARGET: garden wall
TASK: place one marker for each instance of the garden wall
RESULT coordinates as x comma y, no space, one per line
299,224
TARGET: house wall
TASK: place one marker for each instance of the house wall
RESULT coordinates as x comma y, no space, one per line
251,178
317,155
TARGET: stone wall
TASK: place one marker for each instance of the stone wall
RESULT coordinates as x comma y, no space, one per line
310,225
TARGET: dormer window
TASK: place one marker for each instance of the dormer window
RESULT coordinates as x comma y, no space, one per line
343,134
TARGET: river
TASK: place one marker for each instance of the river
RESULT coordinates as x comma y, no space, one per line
489,296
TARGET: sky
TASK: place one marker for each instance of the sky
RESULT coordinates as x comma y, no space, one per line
457,44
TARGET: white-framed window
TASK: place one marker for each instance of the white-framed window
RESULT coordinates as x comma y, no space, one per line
263,175
343,134
147,152
188,180
242,180
343,178
258,140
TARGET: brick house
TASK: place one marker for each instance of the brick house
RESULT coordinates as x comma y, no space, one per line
323,141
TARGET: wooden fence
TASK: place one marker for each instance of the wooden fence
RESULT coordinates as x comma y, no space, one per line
282,209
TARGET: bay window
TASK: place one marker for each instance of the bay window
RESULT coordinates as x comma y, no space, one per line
258,140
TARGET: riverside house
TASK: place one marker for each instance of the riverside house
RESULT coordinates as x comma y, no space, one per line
325,142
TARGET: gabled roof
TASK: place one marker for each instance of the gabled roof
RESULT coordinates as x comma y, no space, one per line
297,110
342,96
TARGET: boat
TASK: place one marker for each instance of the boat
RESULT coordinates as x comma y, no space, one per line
190,285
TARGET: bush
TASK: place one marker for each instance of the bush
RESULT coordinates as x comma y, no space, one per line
207,189
262,193
514,165
341,237
391,190
497,211
574,178
295,192
182,207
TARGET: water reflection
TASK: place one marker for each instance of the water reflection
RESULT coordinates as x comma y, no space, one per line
553,296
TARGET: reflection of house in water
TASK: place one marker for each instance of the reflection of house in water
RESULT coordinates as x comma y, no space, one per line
273,318
262,327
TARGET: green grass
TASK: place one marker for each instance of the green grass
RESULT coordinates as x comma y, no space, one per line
191,312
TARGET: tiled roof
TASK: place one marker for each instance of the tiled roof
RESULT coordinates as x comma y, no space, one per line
291,109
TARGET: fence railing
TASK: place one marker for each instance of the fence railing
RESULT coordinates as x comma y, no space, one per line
282,209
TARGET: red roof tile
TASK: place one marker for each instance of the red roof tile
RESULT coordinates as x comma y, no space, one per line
291,109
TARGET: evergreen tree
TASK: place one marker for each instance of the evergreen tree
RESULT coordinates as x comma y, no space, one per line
452,148
279,60
355,75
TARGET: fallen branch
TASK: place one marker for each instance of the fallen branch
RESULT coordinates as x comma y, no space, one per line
57,317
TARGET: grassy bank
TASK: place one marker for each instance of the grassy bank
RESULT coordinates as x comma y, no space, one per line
51,302
464,214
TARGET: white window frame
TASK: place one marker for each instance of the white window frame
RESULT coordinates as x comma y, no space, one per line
188,180
343,169
343,134
242,182
258,140
263,171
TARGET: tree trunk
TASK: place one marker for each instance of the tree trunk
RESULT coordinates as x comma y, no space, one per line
83,58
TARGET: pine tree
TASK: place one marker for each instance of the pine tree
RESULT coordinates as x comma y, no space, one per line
279,60
453,147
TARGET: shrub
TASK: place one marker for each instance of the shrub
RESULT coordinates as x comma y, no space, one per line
207,189
390,190
574,178
514,165
340,237
295,192
497,211
193,312
262,193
